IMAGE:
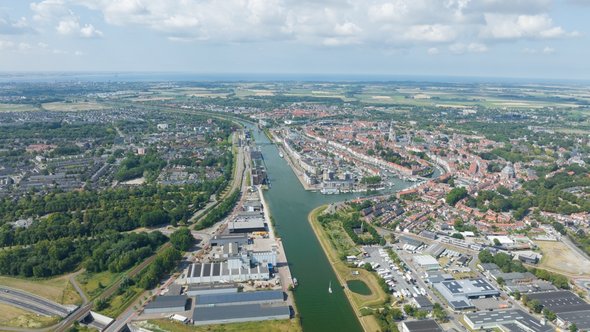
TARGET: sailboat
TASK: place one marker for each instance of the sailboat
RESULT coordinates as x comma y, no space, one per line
330,287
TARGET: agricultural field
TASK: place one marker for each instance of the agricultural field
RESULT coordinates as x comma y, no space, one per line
57,289
73,106
558,257
18,108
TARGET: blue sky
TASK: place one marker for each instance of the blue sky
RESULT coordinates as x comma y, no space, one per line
495,38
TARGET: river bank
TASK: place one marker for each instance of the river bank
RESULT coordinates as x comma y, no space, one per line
344,274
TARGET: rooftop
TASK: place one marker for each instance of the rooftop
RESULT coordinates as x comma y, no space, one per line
228,298
209,314
426,325
170,301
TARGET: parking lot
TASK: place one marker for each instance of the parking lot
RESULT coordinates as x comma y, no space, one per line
402,283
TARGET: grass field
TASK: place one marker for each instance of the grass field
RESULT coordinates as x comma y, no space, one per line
118,303
93,284
558,257
18,108
344,273
57,289
73,107
16,317
287,325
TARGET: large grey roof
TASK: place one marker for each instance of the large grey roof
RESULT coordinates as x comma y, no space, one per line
508,317
206,314
426,325
171,301
560,301
226,298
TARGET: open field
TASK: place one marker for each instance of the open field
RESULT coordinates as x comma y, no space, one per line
93,284
73,107
119,303
18,108
344,273
57,289
16,317
558,257
286,325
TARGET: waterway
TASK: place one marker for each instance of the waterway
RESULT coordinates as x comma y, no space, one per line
290,205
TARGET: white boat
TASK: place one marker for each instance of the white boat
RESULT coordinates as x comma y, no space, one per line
281,154
330,287
295,283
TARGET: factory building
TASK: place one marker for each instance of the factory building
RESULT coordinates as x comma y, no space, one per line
505,320
167,304
425,325
459,293
569,308
427,262
240,313
223,272
225,299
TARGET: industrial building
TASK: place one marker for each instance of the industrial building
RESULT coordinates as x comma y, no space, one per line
194,290
236,239
167,304
225,272
569,308
240,313
458,293
425,325
225,299
427,262
505,320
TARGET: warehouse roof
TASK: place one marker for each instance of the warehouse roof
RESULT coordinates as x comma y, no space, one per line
426,325
506,317
209,314
560,301
228,298
171,301
425,260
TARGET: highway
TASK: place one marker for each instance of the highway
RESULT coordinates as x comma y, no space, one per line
32,302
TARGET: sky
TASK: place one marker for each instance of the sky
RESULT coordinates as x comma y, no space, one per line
482,38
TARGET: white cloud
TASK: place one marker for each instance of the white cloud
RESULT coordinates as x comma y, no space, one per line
430,33
540,26
378,23
461,48
9,26
548,50
433,51
71,26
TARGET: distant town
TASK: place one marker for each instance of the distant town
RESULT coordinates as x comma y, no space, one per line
294,206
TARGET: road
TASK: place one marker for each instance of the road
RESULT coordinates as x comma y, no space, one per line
34,301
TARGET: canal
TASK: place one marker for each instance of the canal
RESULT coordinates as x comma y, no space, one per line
290,205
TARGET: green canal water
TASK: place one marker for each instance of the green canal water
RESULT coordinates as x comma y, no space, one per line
290,205
359,287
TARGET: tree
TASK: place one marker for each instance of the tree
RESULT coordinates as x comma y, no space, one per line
497,242
550,315
573,328
409,310
458,236
501,281
439,313
535,305
182,239
455,195
397,314
485,256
